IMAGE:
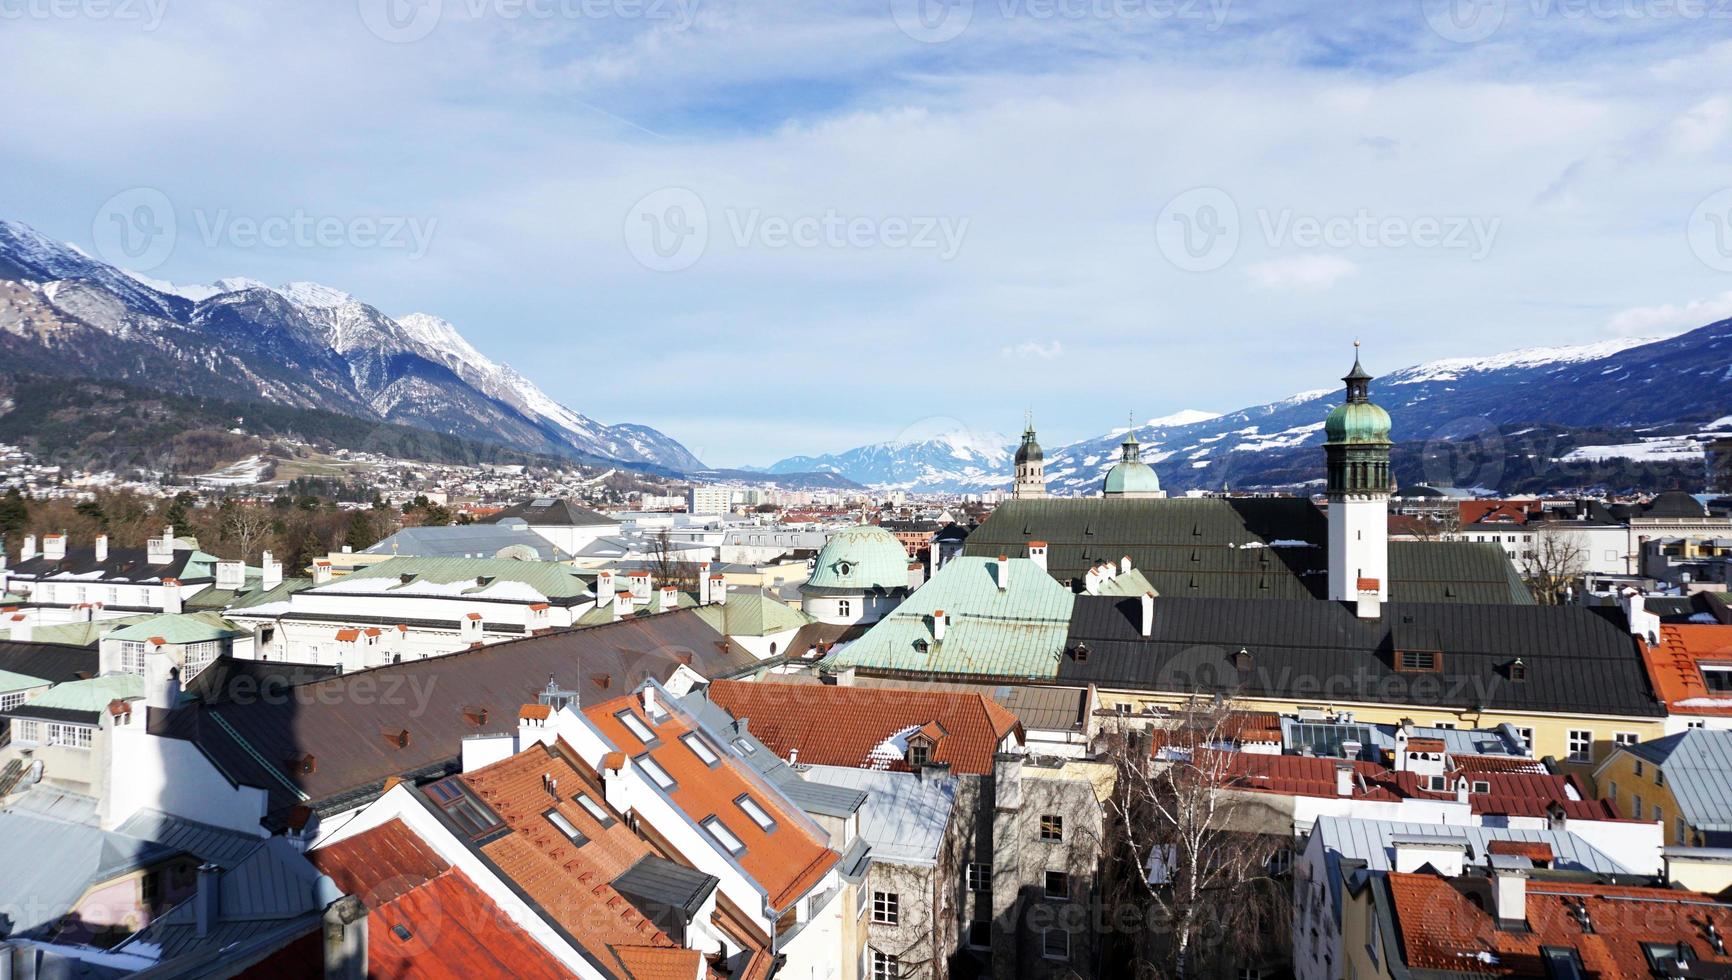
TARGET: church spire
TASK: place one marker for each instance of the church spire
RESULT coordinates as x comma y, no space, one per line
1030,463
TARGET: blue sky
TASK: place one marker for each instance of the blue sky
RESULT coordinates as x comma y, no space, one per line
781,228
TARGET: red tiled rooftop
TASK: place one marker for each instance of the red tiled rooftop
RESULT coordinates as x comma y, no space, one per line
1536,851
1675,666
787,861
1441,929
840,725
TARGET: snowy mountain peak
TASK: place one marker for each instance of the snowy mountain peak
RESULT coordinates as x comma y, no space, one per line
314,294
1452,368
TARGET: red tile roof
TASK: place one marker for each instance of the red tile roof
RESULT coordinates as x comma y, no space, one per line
1441,929
787,861
840,725
454,929
1538,852
1675,666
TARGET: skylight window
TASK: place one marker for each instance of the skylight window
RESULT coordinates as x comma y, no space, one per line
724,836
655,772
759,815
638,729
701,749
594,809
566,827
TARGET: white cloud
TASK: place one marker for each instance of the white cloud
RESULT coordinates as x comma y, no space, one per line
1033,350
1668,318
1302,271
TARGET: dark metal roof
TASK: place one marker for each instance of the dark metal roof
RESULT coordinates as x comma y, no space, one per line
55,662
349,724
1577,659
229,679
655,882
122,564
547,512
1232,547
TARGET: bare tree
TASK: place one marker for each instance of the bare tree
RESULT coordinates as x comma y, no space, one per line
668,567
1556,559
246,526
1198,861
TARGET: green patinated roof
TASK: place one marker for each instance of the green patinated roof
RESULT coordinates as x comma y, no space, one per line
1130,476
179,628
1357,422
1131,583
284,589
10,682
751,614
1017,632
79,634
863,559
603,611
90,695
550,579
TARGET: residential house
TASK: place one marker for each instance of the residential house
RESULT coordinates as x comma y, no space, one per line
1684,781
1691,669
566,525
62,584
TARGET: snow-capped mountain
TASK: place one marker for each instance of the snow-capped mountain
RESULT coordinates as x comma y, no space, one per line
1645,388
951,459
301,344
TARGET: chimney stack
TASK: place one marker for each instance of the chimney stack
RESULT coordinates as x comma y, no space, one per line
321,572
670,598
1002,573
102,547
603,586
160,551
207,902
1146,603
1643,623
273,572
27,550
171,595
1037,553
615,784
230,575
1509,878
939,623
621,604
1343,780
718,589
54,546
19,628
1370,605
703,583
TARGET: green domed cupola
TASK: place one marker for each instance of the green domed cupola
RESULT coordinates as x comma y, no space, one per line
1356,438
1130,476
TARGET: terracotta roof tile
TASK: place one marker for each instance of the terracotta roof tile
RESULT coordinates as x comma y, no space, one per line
841,725
1675,666
1539,852
787,861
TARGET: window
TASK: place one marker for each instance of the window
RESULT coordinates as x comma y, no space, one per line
197,656
71,736
1696,724
1659,776
1055,944
1250,973
1445,725
638,729
844,607
980,934
1681,831
886,908
1625,738
1666,958
979,877
566,827
918,752
1051,827
1718,678
1562,963
12,700
1527,736
27,731
723,835
759,815
1581,745
1437,784
1658,817
1057,884
1638,768
701,749
1480,786
1418,660
885,966
1636,806
655,772
131,657
594,809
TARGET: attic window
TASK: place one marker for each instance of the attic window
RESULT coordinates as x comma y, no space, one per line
919,752
594,809
921,645
635,725
402,932
759,815
1418,661
1081,653
1518,671
1481,786
1717,677
475,715
701,749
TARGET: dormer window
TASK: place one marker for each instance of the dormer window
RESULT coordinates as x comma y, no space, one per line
1418,661
1717,677
919,751
844,568
1518,671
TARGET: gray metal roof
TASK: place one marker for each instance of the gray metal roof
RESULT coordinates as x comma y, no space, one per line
905,813
657,882
273,884
1324,738
551,512
217,845
469,541
47,864
1698,767
818,796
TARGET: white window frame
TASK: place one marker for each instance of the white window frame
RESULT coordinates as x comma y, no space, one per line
70,736
1584,737
886,908
720,833
756,811
639,730
655,772
701,748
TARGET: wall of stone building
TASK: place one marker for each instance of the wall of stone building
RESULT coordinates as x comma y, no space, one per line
918,937
1023,910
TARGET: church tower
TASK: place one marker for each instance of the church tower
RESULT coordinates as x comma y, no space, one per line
1357,447
1030,465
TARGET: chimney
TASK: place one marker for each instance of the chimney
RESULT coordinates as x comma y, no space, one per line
102,547
534,725
670,598
1343,780
1037,553
1509,888
1146,602
160,551
27,550
1125,565
651,706
207,902
171,595
345,933
1092,580
1370,599
273,572
615,784
603,585
161,678
621,604
1461,789
1643,624
20,628
703,583
639,582
939,623
230,575
54,546
321,572
1001,572
1414,851
718,589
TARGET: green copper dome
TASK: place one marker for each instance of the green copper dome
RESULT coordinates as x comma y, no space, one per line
1357,422
861,559
1130,476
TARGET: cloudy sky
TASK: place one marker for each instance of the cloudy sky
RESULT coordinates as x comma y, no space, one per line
779,228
